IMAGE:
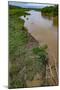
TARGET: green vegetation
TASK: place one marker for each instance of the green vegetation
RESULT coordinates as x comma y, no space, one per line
25,56
42,56
17,11
51,10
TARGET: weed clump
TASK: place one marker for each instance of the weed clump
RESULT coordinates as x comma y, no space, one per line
41,53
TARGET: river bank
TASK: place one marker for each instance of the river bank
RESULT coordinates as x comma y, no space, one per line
27,61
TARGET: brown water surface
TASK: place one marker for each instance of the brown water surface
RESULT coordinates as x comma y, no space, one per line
44,31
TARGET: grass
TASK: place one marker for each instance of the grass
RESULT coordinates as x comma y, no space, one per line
25,56
41,52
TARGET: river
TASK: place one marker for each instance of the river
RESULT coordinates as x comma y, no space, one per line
44,31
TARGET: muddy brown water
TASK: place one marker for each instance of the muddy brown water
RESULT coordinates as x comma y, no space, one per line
44,31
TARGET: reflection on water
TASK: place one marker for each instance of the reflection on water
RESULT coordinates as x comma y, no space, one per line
43,29
48,16
55,21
